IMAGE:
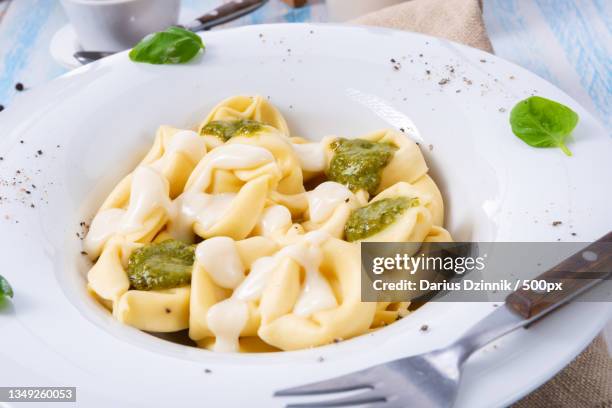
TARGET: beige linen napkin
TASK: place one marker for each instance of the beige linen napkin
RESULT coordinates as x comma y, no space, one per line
587,381
455,20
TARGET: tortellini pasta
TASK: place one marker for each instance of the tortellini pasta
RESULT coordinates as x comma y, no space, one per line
247,238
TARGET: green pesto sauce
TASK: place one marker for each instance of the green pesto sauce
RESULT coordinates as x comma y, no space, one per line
375,217
225,130
358,163
163,265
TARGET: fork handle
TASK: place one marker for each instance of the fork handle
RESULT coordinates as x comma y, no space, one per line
575,275
523,308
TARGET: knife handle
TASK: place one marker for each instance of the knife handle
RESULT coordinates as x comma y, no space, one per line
576,274
224,13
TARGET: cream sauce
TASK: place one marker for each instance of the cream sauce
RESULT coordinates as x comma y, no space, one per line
226,320
185,142
220,258
102,227
311,156
231,156
149,191
275,219
325,198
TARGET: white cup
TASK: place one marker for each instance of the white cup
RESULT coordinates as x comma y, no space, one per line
344,10
115,25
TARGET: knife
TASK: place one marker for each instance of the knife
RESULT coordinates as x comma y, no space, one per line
220,15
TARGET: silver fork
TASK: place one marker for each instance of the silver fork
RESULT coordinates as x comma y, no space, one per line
432,379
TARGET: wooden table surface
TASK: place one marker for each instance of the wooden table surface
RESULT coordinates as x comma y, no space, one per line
567,42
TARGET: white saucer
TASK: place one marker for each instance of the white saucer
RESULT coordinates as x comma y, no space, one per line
63,46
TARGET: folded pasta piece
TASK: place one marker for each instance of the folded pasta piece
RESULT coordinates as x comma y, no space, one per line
329,206
219,261
407,164
375,161
397,214
291,181
140,213
254,108
254,133
160,311
138,206
306,280
436,205
253,172
107,278
438,234
339,268
389,312
175,154
297,204
276,223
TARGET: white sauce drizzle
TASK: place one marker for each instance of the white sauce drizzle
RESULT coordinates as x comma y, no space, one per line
232,156
194,205
275,219
207,209
227,319
311,156
186,142
102,227
148,191
220,258
252,287
325,198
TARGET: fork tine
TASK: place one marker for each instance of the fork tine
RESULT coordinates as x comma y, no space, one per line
348,382
368,397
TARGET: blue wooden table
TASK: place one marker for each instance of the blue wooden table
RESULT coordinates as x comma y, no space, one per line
567,42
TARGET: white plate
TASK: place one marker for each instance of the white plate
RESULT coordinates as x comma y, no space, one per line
325,79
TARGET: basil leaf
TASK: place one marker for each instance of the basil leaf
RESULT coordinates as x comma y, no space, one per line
172,46
540,122
5,288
